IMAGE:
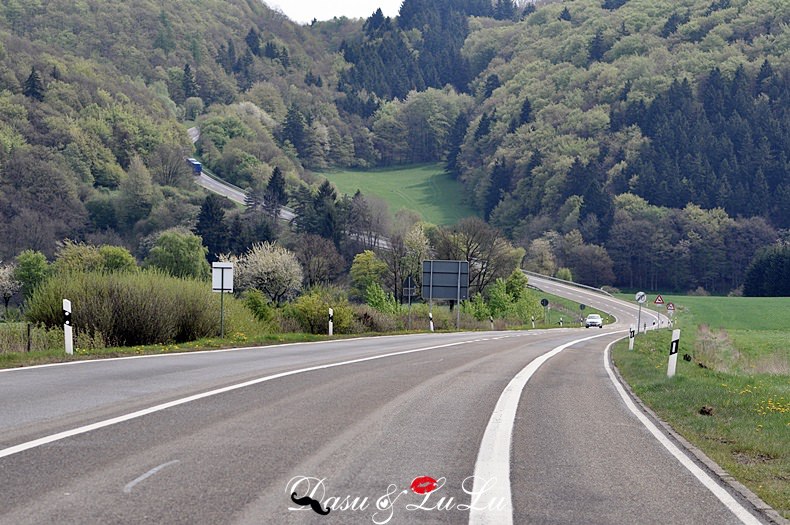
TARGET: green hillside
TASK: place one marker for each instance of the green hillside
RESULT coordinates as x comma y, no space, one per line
425,189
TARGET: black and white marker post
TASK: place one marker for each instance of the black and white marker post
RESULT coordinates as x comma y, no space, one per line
69,337
331,321
491,320
430,320
631,335
673,353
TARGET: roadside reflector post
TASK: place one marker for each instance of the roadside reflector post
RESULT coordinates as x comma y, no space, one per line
331,321
491,320
430,320
560,322
631,335
533,321
673,353
67,333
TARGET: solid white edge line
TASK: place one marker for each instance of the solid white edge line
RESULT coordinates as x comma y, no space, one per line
492,468
158,408
725,497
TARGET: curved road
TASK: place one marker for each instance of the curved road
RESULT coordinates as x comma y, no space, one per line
514,427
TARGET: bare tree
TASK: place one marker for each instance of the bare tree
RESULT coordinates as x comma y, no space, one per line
168,166
320,260
489,253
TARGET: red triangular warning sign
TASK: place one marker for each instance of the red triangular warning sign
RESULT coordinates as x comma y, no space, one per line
659,300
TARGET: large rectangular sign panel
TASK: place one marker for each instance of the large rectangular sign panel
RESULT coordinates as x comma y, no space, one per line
445,280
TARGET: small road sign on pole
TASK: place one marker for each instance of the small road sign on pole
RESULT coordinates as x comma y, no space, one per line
640,297
222,281
659,300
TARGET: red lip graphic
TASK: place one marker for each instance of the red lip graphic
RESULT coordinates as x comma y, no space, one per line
423,485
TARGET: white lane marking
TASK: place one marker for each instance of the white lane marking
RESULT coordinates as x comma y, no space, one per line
164,406
199,352
129,486
731,503
492,468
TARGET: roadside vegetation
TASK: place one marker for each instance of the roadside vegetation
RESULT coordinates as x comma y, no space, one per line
731,394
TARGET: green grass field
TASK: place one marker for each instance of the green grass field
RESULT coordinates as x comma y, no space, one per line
739,350
425,189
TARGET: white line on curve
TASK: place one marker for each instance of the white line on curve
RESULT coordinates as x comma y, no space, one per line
158,408
731,503
492,468
129,486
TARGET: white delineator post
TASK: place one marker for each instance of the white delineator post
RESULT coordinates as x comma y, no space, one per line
673,353
430,320
69,337
631,335
331,321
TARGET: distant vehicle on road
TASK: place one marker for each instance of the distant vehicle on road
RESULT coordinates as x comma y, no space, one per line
593,320
197,167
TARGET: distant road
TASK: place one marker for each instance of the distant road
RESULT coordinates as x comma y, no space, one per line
216,185
227,436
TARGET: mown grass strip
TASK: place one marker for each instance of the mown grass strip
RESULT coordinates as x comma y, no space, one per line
741,421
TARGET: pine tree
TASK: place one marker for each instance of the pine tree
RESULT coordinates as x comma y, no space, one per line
211,226
275,196
253,40
565,15
189,85
33,87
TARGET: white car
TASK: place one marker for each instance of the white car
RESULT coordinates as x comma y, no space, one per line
593,320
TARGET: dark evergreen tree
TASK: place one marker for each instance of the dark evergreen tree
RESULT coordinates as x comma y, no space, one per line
211,226
253,40
565,15
483,127
525,115
499,184
295,129
454,142
769,273
598,47
275,197
492,83
188,84
33,86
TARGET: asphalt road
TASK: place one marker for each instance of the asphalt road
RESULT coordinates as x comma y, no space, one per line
226,437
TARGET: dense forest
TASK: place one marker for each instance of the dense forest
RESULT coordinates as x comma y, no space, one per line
636,143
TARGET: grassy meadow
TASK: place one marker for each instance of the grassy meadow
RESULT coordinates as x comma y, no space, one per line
425,189
738,371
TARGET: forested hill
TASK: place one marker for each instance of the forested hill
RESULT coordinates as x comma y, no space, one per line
577,127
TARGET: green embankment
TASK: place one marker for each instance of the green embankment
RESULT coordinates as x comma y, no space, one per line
425,189
738,373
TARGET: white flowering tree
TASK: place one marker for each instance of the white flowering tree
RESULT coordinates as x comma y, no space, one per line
271,269
8,285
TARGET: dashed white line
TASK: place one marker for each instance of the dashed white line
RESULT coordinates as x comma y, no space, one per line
164,406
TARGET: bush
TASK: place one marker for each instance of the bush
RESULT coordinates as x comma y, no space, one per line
369,319
259,305
384,302
129,309
311,310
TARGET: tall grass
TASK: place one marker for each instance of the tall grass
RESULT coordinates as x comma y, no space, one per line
128,309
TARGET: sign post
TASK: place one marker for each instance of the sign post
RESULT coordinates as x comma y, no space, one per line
546,314
410,290
222,281
673,353
640,297
68,335
658,302
445,280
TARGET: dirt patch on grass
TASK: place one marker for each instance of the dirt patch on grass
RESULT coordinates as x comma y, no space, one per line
751,458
